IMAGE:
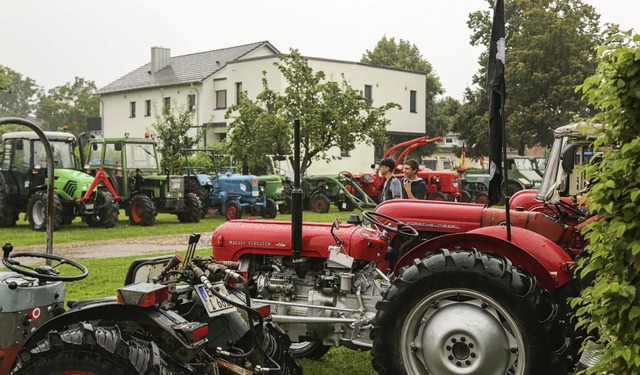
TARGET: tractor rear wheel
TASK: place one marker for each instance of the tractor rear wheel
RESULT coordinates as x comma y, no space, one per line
271,209
465,196
463,312
193,210
233,210
320,203
142,211
203,195
93,350
8,214
37,210
482,198
107,211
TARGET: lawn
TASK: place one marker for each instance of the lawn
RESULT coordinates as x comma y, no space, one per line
107,274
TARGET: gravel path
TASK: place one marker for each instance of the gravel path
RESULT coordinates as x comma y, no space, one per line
119,247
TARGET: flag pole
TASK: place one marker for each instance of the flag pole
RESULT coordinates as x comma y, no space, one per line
505,166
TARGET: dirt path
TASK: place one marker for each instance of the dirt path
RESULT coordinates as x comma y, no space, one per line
119,247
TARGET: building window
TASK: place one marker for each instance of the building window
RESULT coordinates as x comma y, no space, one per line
344,153
167,103
238,91
448,140
221,99
147,108
367,93
132,109
191,101
413,108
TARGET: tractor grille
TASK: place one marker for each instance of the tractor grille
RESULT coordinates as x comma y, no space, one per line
70,188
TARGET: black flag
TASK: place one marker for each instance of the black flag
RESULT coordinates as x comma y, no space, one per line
495,80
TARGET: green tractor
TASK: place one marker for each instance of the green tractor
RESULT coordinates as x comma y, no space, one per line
131,166
23,184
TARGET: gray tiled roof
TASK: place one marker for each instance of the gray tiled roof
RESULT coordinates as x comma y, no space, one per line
183,69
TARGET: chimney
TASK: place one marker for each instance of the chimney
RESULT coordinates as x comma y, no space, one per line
160,58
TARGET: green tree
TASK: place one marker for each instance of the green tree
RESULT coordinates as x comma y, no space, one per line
172,128
17,95
406,56
551,47
69,105
610,307
332,114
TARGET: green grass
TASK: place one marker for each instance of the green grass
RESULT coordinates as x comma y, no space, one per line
107,274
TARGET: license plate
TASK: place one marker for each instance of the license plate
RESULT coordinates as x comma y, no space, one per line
255,193
88,206
214,305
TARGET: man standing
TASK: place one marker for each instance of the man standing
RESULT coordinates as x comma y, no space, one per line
392,188
414,187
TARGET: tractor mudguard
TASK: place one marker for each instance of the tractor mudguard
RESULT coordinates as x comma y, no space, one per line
539,256
155,321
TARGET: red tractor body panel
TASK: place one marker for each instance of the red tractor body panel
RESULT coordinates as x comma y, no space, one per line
542,258
236,238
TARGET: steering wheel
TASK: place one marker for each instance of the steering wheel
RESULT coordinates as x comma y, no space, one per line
398,228
48,273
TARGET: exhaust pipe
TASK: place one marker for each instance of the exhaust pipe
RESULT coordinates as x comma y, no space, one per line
299,264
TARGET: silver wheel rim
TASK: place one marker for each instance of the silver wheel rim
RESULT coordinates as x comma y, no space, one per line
461,331
37,213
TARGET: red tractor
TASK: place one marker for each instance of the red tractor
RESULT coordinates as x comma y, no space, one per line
430,287
441,185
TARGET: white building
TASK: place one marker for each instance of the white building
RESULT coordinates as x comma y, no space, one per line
212,80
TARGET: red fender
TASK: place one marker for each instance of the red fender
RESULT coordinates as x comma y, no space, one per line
539,256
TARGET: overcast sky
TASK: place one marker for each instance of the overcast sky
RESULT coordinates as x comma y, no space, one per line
53,41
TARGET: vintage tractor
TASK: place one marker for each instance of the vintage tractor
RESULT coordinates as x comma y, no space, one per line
430,287
174,315
227,192
23,176
131,166
441,185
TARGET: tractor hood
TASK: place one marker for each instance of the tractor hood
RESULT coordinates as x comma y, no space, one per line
71,184
236,238
440,217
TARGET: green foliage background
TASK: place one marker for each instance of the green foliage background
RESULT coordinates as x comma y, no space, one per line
610,308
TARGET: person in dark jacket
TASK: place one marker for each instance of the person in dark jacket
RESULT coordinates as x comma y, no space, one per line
414,187
392,187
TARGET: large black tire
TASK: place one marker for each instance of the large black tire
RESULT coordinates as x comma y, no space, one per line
193,210
270,210
203,195
37,211
107,211
88,349
465,312
320,203
313,350
465,196
8,213
437,196
142,211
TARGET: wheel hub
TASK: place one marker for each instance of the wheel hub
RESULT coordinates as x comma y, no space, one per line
455,337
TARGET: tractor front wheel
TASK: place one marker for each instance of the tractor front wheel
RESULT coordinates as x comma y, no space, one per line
142,211
270,210
437,196
464,312
193,210
37,210
91,349
233,210
107,211
320,203
203,195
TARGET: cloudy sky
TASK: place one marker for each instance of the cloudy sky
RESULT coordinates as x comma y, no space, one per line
54,41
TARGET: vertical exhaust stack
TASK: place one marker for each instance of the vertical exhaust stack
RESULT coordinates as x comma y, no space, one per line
296,206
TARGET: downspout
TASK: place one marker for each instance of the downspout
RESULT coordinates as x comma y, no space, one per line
299,263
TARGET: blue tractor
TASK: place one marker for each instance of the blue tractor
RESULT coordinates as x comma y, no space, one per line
229,193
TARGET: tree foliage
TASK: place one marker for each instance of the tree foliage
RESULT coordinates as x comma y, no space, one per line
406,56
17,95
551,47
610,307
332,115
172,130
69,105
